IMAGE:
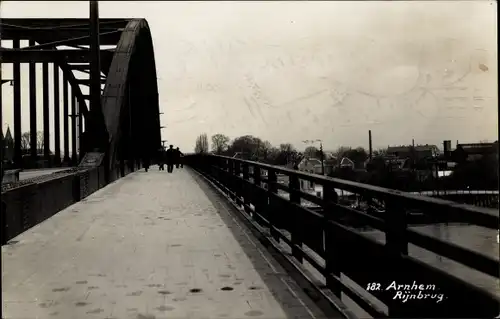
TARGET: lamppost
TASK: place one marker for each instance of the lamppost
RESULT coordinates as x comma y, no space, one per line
320,153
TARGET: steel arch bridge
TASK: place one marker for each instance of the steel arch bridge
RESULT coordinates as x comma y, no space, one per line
126,124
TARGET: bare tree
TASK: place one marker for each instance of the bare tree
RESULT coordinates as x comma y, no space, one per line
26,142
341,151
201,145
288,154
220,143
264,150
311,152
39,141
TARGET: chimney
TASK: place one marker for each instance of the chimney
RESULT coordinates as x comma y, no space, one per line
370,149
447,148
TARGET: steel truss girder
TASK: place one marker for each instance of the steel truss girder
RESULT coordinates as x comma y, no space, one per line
49,30
80,36
78,41
50,33
87,81
134,51
60,23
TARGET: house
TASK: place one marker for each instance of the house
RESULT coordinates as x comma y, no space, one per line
310,165
346,163
418,151
330,162
313,166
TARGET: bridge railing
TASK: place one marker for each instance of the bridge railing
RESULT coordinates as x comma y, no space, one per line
327,241
29,202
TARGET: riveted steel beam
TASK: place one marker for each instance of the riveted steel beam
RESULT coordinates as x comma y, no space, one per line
87,81
82,40
26,56
66,24
108,36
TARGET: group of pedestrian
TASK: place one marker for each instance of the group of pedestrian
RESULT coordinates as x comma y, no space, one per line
170,157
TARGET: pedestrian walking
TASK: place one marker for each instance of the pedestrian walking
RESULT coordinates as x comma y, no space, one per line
170,158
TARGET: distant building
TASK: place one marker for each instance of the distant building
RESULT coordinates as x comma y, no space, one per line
8,146
346,163
313,166
474,151
417,152
310,165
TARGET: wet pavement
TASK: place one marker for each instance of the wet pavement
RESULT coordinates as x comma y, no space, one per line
150,245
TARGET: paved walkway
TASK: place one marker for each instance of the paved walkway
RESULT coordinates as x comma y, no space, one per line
151,245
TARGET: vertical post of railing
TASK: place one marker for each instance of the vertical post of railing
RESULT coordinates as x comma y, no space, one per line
205,164
245,189
223,173
237,182
201,162
395,219
296,227
211,162
259,195
272,189
331,242
213,165
230,178
396,242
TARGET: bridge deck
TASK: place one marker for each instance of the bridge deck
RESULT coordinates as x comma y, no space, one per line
137,249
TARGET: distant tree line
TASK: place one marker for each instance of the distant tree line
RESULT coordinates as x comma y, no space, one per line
201,145
248,147
481,173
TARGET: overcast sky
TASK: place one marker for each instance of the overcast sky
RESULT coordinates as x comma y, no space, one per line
291,71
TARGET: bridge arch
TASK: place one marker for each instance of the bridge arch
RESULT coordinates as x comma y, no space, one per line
130,103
